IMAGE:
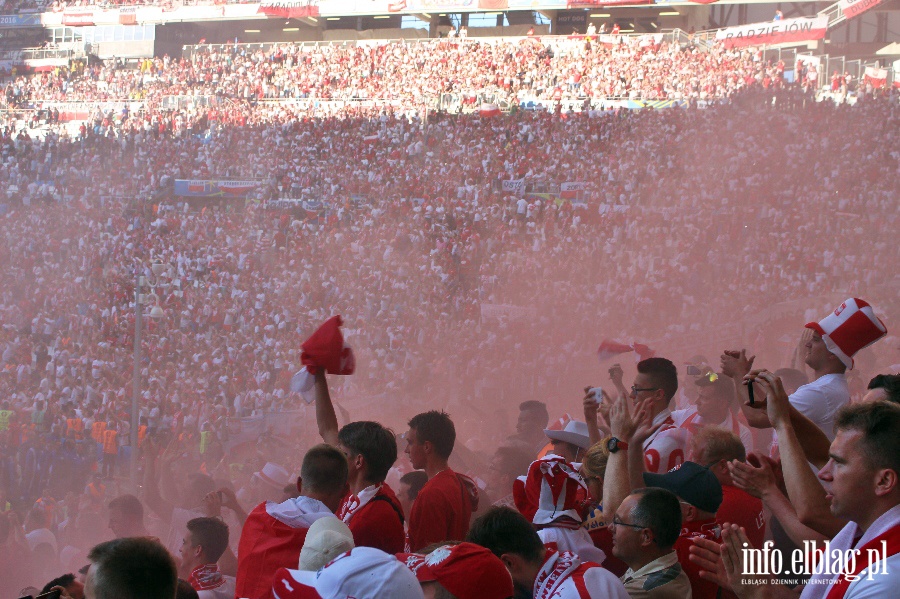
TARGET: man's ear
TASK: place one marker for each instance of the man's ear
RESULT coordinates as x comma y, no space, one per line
885,482
428,447
514,563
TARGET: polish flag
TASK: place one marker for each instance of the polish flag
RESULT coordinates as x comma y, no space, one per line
877,77
488,110
610,349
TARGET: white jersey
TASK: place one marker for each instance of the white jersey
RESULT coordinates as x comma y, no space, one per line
667,447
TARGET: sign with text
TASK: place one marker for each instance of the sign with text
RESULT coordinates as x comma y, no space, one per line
802,29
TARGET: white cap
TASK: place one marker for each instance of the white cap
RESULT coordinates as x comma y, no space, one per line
363,573
326,539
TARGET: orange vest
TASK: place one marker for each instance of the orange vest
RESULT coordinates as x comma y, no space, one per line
97,492
97,430
109,442
142,432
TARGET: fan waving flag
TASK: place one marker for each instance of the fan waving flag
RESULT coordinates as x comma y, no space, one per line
610,349
325,349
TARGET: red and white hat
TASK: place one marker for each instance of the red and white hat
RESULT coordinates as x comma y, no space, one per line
363,573
550,492
851,327
467,570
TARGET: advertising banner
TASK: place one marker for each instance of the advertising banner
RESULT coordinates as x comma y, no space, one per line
205,188
78,17
20,21
852,8
802,29
289,9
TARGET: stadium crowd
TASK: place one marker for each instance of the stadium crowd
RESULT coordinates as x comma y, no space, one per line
637,68
693,231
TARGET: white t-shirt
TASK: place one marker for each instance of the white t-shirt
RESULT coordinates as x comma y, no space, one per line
819,401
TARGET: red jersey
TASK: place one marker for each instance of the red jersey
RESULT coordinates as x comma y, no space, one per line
700,589
271,539
441,512
741,508
377,522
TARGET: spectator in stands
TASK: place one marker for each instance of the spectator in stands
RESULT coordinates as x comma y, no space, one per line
645,528
656,383
507,464
126,517
371,509
717,449
700,496
130,569
883,387
443,507
536,571
273,534
533,419
713,407
205,540
68,585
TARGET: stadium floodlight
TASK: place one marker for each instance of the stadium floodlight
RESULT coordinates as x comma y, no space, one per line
654,25
291,29
383,16
600,15
251,30
333,19
669,13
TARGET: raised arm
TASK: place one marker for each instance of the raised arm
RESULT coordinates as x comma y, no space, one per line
325,416
153,499
805,492
757,477
617,482
735,365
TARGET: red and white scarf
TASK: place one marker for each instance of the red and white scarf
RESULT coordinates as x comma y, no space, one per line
206,577
556,569
355,502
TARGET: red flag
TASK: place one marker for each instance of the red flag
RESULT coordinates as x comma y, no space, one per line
643,352
609,349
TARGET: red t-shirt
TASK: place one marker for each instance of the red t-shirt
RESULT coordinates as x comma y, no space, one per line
379,523
741,508
700,589
441,512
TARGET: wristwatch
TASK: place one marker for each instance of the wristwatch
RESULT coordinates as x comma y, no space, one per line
614,445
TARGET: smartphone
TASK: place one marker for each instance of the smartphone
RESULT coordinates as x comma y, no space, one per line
596,393
693,370
750,393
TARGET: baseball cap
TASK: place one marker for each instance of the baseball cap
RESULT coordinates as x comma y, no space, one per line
326,539
467,570
692,482
362,573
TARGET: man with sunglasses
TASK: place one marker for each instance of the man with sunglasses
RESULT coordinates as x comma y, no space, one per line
645,529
